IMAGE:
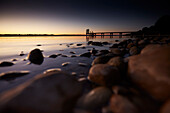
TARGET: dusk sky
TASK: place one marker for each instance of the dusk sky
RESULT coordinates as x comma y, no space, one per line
74,16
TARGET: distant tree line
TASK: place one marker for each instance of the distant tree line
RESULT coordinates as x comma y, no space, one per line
161,27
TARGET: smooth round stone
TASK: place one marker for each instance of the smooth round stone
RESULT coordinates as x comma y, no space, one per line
165,107
117,62
120,104
5,63
36,56
82,64
53,56
104,74
74,73
133,50
54,92
149,48
72,52
96,98
11,75
22,53
65,63
101,60
52,70
130,45
14,59
87,54
151,72
115,51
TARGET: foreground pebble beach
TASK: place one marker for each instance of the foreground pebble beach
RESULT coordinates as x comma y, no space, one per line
131,76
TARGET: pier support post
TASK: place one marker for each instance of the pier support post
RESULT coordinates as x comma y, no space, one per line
120,35
102,35
111,35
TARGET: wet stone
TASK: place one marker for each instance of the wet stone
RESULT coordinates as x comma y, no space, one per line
82,64
95,99
5,63
97,44
105,43
79,44
22,53
36,56
54,92
39,45
52,70
24,59
14,59
74,74
73,56
93,51
65,64
53,56
11,75
87,54
63,55
104,74
72,52
101,60
83,47
134,50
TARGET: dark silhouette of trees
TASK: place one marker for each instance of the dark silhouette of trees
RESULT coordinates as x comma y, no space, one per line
161,27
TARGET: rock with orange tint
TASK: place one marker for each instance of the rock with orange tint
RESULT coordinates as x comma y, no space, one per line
134,50
95,99
119,63
53,92
165,107
120,104
104,74
150,48
151,72
116,51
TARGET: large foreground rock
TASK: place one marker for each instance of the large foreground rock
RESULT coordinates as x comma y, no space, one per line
54,92
151,72
165,107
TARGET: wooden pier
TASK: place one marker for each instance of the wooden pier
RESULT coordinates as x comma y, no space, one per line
111,34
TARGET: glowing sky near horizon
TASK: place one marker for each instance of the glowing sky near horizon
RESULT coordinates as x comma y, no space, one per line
75,16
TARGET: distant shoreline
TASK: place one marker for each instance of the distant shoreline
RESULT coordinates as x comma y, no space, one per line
42,35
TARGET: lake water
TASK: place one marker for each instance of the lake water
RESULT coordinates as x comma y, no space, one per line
10,46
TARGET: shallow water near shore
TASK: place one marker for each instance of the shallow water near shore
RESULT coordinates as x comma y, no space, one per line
11,47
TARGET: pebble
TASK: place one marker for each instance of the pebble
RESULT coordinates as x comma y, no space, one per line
39,45
11,75
72,52
87,54
6,63
14,59
22,53
53,56
65,63
82,64
52,70
63,55
79,44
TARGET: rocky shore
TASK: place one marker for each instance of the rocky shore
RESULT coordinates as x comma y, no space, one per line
132,76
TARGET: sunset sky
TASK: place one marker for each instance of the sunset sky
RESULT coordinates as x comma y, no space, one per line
74,16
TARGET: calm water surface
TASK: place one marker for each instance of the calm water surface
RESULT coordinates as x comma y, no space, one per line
14,45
